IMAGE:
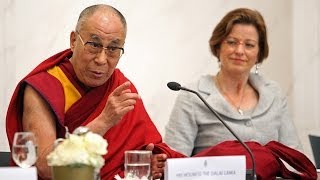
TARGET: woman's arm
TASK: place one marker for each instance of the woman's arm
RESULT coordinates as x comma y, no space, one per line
182,129
287,133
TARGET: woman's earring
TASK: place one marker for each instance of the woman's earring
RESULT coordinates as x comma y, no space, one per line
257,69
219,64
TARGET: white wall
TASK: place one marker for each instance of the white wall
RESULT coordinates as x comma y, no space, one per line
306,65
167,41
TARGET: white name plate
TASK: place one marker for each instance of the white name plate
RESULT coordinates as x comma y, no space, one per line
17,173
206,168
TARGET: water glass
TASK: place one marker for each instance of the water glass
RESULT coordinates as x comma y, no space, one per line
24,149
137,164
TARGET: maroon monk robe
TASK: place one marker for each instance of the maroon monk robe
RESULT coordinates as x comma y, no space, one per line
134,131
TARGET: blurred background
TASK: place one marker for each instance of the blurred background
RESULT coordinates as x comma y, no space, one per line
168,41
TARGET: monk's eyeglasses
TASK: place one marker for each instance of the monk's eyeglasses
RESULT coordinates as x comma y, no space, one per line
96,48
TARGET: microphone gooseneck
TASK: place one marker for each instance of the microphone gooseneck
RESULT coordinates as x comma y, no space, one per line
176,87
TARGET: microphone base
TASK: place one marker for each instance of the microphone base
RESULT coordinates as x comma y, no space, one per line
249,175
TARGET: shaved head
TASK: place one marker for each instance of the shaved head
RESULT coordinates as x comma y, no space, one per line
89,11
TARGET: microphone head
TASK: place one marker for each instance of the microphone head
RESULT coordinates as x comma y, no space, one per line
174,86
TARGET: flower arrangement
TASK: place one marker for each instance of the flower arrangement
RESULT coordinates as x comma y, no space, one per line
83,147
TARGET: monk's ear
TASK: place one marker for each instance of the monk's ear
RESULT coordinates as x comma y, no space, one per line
73,38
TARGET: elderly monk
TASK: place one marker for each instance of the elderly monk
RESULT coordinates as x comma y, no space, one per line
82,87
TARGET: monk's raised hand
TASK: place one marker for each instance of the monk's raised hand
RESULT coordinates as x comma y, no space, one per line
119,102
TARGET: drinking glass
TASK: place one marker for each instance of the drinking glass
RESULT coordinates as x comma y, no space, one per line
137,164
24,150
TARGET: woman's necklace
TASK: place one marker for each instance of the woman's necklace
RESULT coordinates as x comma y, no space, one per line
240,111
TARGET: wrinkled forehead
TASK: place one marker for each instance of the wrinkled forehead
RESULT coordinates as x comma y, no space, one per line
105,23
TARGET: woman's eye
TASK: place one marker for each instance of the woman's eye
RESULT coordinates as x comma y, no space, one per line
248,45
231,42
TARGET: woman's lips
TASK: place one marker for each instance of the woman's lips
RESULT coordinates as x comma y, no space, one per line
236,60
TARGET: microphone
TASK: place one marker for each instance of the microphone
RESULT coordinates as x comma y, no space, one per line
177,87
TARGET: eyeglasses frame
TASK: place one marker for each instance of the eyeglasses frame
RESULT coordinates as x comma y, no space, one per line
102,47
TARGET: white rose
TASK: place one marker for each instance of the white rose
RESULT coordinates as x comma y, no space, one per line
95,143
85,149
